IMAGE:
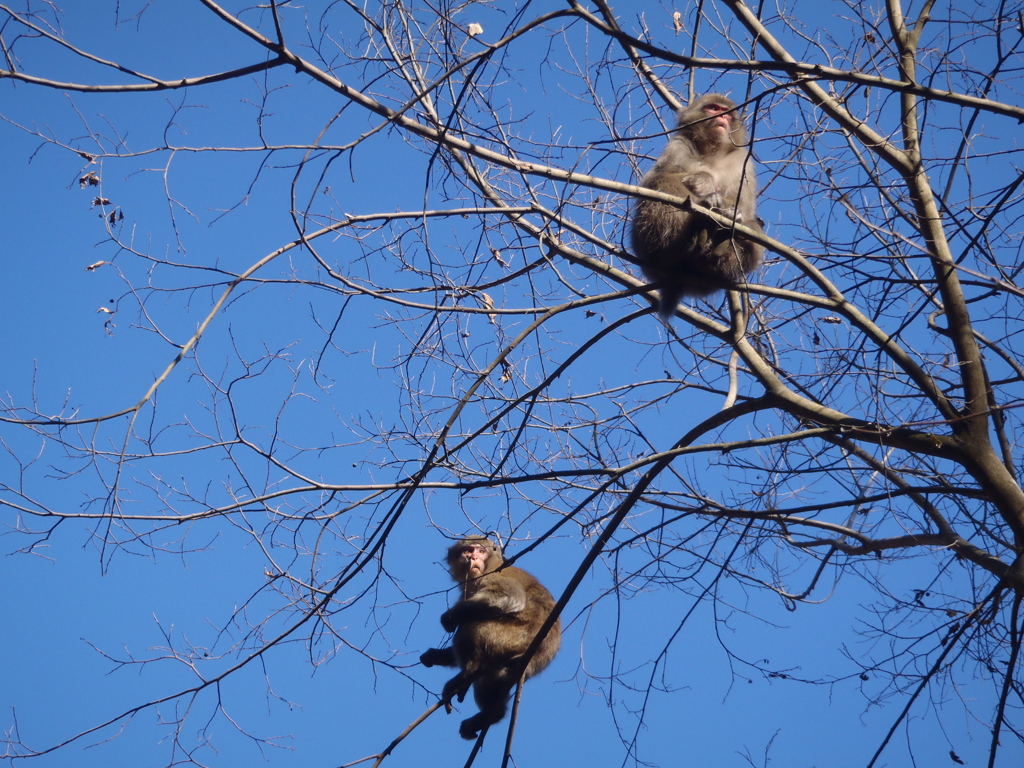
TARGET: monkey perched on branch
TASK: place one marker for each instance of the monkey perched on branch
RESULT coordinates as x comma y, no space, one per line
706,160
494,622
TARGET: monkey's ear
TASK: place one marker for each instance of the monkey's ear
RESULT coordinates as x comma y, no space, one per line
498,542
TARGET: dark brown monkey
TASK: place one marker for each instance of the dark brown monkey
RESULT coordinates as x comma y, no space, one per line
708,161
494,623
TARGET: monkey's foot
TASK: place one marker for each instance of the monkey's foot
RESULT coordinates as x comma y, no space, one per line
468,729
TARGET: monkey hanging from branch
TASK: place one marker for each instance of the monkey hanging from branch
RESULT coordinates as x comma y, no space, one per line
495,621
708,161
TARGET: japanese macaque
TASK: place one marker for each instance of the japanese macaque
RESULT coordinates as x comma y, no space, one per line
494,621
708,161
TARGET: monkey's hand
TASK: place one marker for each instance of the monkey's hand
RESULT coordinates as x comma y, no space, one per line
729,208
702,187
715,202
731,212
444,657
450,621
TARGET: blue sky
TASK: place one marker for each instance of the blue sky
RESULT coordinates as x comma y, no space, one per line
76,608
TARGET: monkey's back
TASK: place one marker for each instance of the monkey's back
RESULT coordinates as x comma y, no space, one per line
498,641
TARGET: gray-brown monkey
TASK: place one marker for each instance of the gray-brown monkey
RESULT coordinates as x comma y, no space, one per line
708,161
494,623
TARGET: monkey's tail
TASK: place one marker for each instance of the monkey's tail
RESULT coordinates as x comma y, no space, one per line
670,297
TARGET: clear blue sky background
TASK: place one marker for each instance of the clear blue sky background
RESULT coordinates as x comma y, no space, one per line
69,604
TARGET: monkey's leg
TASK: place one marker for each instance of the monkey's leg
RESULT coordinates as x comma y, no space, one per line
491,693
457,686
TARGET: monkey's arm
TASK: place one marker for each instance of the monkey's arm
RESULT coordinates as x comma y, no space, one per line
441,657
497,596
458,685
699,186
703,187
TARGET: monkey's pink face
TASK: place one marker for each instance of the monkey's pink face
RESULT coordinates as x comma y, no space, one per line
474,559
720,122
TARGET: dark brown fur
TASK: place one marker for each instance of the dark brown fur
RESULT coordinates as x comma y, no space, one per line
709,162
494,622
